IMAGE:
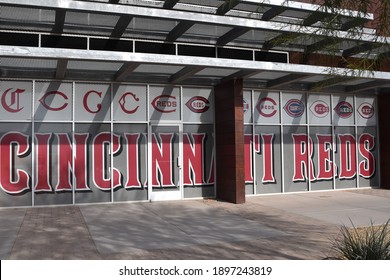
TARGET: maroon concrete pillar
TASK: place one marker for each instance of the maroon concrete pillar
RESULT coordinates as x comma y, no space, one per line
384,138
229,135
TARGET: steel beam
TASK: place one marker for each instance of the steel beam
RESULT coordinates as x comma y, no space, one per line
121,26
273,12
359,49
178,30
279,40
125,71
308,7
313,18
231,35
353,23
184,73
169,4
227,6
59,21
321,45
62,64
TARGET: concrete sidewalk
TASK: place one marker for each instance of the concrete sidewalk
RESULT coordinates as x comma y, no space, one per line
290,226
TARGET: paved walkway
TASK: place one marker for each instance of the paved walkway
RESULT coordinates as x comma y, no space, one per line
293,226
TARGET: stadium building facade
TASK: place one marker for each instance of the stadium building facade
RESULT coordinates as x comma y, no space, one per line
112,101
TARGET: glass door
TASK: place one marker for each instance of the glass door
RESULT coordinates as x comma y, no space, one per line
165,162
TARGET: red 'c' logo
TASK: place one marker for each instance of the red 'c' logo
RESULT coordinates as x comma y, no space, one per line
52,93
366,110
267,107
344,109
122,103
14,100
198,104
85,101
320,109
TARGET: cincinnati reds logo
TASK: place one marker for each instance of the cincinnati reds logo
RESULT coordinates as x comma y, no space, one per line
198,104
267,107
51,94
14,102
85,102
122,103
344,109
165,103
294,108
320,109
366,110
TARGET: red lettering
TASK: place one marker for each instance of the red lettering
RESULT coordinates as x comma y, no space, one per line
248,158
13,144
248,155
301,158
14,100
193,159
47,106
268,165
65,165
132,143
347,156
85,102
162,160
80,161
42,147
101,165
366,145
122,103
326,167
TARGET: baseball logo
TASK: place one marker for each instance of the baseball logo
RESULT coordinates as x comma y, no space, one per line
267,107
344,109
294,108
366,110
320,109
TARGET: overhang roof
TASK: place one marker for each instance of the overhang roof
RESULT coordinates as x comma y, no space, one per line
48,63
244,25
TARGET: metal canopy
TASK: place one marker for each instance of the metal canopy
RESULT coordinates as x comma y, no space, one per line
107,40
47,63
173,20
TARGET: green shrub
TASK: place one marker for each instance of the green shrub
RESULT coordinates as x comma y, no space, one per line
370,243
